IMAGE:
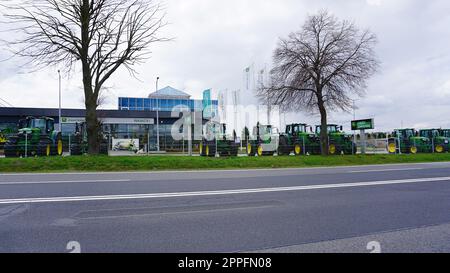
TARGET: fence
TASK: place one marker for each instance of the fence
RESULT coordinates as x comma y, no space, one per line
146,143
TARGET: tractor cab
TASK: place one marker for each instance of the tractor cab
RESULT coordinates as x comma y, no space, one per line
431,133
445,133
296,129
405,133
332,129
45,125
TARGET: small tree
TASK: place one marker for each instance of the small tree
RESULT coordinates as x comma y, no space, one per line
317,68
100,35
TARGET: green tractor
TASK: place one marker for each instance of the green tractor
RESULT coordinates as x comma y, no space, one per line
36,137
215,135
298,139
408,141
339,141
264,141
440,139
79,143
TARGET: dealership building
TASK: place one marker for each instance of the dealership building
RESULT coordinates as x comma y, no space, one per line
135,118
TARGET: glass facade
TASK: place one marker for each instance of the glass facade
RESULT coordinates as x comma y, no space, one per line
165,105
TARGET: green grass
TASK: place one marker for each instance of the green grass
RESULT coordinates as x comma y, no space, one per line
157,163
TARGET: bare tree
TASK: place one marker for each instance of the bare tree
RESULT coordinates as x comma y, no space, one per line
99,35
318,68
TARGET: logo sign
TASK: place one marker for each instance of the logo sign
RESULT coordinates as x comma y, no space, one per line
365,124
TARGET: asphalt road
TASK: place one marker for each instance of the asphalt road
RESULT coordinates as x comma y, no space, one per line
395,208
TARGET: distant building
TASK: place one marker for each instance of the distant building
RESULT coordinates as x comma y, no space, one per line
166,99
135,117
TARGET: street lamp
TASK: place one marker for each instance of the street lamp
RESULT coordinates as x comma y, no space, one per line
59,110
157,116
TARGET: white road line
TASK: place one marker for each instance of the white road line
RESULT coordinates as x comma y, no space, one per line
63,182
222,192
386,170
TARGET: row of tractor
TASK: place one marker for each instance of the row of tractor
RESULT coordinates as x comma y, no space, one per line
38,137
265,140
302,139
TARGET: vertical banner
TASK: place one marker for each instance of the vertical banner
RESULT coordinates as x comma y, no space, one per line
207,104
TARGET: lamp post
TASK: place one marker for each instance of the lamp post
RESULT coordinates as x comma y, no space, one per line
157,117
59,110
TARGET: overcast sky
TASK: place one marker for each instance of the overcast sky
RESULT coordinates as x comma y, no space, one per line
216,40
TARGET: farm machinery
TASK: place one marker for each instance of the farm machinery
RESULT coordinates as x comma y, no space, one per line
339,142
440,139
35,137
299,140
79,143
408,141
264,141
215,137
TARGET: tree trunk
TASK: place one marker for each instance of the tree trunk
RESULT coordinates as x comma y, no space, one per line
324,145
92,125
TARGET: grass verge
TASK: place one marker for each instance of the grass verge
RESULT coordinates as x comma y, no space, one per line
159,163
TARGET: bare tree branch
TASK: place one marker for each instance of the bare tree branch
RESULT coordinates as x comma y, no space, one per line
318,68
101,35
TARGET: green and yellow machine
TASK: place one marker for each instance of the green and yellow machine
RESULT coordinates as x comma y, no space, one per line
299,139
440,139
79,143
408,141
35,137
264,141
215,135
339,141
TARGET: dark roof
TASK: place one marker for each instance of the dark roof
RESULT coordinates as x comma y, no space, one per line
53,112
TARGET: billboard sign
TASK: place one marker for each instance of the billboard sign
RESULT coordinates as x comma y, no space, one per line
365,124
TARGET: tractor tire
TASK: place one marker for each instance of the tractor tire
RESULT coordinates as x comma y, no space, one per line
210,151
332,149
251,151
201,149
75,149
44,148
57,147
260,150
234,149
283,147
103,148
11,149
392,147
298,150
439,149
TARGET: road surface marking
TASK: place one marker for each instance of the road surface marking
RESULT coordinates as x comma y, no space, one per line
222,192
63,182
386,170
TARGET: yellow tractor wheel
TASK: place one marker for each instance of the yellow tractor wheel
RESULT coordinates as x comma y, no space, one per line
260,150
439,149
60,147
297,149
200,148
332,149
413,150
48,150
207,150
392,148
249,149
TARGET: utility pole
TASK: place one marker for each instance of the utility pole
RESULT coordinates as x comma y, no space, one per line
59,110
157,116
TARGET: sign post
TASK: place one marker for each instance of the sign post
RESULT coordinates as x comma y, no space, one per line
362,126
